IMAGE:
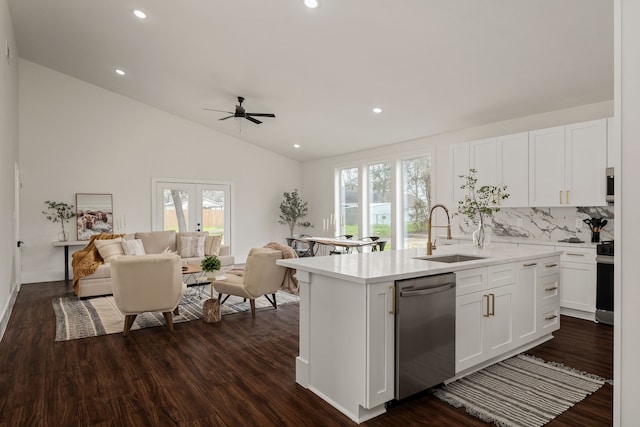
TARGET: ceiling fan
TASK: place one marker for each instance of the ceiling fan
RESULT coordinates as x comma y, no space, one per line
240,112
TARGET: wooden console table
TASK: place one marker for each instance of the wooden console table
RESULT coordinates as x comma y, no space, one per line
66,245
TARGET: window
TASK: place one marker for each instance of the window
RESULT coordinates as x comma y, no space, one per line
193,206
349,214
379,197
416,200
390,199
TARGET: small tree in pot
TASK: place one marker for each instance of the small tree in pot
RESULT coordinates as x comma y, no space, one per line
210,265
59,212
292,211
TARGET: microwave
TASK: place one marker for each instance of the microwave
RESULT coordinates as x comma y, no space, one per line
610,185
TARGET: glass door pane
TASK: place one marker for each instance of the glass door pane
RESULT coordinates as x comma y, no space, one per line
416,190
173,200
349,207
213,207
380,201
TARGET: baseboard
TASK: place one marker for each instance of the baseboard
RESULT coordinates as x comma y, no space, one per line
6,311
585,315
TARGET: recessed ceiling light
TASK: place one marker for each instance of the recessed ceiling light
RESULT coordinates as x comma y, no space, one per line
377,110
140,14
296,145
311,4
120,72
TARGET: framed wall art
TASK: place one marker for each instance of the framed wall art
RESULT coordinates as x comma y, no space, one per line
94,214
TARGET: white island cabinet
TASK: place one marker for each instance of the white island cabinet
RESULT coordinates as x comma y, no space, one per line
347,317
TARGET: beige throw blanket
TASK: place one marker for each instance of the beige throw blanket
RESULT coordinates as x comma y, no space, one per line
87,260
290,281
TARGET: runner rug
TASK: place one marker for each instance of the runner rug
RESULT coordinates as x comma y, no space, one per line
77,318
521,391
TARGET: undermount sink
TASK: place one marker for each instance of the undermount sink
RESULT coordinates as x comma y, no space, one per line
453,258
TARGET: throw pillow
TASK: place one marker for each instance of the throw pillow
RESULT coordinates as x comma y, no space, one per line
109,249
192,247
212,245
133,247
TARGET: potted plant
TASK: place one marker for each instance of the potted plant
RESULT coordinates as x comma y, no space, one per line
479,205
210,264
59,212
292,211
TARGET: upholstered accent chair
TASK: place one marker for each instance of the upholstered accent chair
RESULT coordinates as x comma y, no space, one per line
262,277
143,283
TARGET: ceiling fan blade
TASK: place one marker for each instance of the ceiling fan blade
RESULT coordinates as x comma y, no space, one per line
248,117
219,111
228,117
262,114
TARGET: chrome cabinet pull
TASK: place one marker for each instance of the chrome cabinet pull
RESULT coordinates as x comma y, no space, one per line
531,264
553,316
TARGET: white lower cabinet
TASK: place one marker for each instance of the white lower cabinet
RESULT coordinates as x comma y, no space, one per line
484,319
380,339
578,277
504,307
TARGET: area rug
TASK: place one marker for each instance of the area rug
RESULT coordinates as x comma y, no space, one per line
76,318
521,391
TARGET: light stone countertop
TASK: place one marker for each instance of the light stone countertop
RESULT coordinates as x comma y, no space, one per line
377,267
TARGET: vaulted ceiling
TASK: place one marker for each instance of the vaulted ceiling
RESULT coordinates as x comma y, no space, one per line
432,66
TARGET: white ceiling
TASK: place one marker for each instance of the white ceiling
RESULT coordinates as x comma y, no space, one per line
432,65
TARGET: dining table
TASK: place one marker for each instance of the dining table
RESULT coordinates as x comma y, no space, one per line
348,244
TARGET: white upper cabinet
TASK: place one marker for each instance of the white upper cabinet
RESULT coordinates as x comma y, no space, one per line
503,161
586,163
458,166
567,165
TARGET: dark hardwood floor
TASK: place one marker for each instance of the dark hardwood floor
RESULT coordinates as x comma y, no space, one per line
239,372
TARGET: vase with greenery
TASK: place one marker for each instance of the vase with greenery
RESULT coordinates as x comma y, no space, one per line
479,204
292,211
59,212
210,264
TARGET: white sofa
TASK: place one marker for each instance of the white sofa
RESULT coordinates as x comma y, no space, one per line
154,242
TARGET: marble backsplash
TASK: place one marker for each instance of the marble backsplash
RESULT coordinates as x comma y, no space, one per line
552,224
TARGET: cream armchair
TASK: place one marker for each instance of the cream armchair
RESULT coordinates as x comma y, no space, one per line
262,276
144,283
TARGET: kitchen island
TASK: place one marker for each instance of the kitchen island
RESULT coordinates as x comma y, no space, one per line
347,316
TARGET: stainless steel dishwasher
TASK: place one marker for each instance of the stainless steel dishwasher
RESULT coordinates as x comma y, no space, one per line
425,332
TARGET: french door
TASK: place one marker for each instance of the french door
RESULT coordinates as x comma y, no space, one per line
192,206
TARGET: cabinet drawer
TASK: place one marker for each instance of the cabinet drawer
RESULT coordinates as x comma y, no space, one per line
469,281
548,266
549,320
584,255
501,275
549,290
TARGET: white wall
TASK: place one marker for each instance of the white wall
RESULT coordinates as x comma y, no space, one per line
318,175
627,315
78,138
8,159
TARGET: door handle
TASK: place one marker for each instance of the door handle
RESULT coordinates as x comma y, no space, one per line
393,300
20,243
493,304
486,313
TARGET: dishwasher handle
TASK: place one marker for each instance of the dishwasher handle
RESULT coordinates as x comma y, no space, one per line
427,291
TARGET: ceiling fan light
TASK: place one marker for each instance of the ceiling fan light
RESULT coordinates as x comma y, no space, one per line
311,4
